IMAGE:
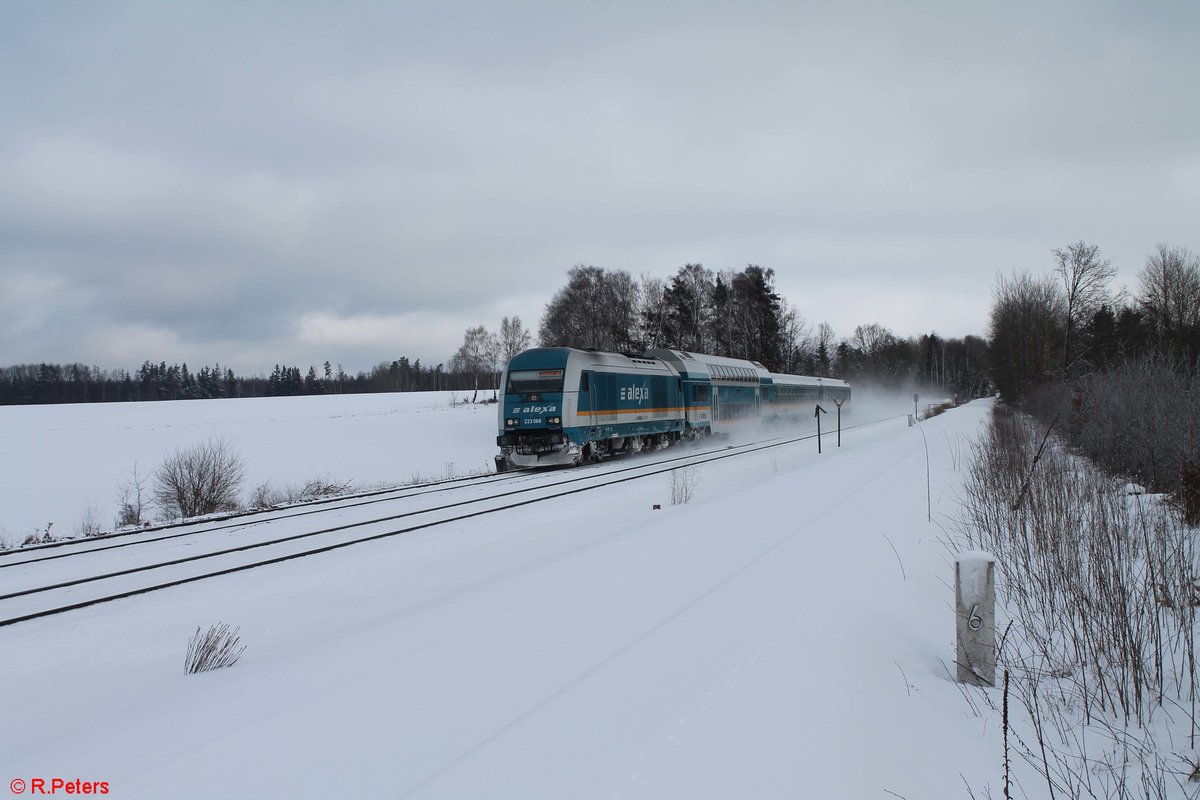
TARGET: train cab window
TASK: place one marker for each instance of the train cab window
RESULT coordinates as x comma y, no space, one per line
525,381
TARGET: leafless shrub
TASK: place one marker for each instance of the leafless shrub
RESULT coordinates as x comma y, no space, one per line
1188,496
683,485
1140,420
89,522
216,648
319,488
266,496
131,508
1052,400
40,537
202,479
1101,587
934,409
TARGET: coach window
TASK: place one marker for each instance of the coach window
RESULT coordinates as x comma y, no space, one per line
583,382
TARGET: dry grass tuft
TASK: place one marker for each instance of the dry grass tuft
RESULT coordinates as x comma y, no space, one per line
216,648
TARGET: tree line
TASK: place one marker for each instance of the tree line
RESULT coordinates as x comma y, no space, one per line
742,315
1071,322
738,314
24,384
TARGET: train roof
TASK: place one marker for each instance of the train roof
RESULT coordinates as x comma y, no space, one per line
596,358
805,380
690,366
701,366
780,379
557,358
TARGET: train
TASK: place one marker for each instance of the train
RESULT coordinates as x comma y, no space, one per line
565,406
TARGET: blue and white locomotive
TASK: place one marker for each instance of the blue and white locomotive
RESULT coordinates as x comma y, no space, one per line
567,406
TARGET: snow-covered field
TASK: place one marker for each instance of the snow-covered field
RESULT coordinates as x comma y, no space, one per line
764,640
63,462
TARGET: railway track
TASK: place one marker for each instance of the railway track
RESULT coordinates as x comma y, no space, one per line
64,548
242,521
49,583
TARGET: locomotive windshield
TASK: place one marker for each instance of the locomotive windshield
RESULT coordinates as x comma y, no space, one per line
525,381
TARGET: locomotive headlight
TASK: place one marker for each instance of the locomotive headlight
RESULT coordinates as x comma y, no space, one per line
555,420
510,422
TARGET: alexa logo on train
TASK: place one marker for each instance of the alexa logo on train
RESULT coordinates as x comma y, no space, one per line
534,409
636,394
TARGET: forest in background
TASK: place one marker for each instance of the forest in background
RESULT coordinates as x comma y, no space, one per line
1116,375
78,383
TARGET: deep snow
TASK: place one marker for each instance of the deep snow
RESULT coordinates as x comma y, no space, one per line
62,460
764,640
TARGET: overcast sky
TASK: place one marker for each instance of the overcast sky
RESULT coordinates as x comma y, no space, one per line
256,183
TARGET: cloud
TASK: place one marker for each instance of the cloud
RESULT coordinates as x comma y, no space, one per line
426,331
267,181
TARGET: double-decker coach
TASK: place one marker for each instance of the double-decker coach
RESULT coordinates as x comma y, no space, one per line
725,393
795,397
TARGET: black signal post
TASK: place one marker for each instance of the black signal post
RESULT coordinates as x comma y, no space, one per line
817,413
838,403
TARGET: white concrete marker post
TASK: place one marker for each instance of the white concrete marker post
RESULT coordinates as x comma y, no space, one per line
975,617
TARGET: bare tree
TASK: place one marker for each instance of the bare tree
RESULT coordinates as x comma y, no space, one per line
132,500
1169,292
653,312
797,349
1026,331
823,358
597,309
202,479
491,360
514,337
875,351
689,308
473,357
1085,279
